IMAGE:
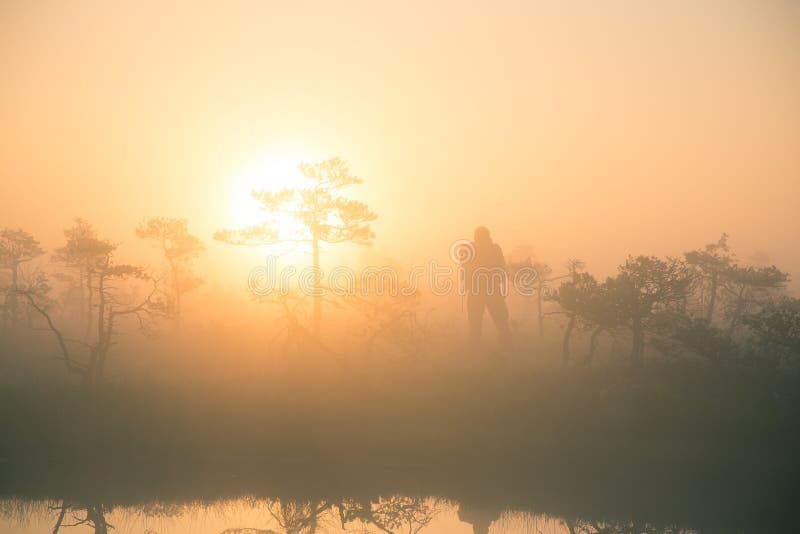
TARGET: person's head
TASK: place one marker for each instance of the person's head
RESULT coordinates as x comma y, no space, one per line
482,235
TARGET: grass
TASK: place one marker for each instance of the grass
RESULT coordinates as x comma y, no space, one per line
669,442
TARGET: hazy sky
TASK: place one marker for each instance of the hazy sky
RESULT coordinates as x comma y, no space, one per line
585,129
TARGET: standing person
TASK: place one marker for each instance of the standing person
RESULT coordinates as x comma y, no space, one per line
484,280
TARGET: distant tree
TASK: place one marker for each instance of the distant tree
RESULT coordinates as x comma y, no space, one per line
323,216
573,295
396,325
112,306
94,517
645,285
386,514
742,289
16,247
543,280
711,265
681,334
750,287
541,286
601,312
588,305
85,252
114,303
389,514
581,526
180,249
299,516
776,328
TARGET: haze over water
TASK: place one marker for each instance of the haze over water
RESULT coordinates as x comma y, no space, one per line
452,267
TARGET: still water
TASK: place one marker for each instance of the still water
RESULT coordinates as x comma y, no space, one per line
395,514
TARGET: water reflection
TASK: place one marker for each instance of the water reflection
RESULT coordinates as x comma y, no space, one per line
90,515
395,514
625,527
480,517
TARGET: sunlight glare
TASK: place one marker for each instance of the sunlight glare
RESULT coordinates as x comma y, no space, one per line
270,174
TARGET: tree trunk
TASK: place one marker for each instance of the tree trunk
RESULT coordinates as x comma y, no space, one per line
638,342
177,291
713,299
12,299
737,313
316,320
94,363
81,294
96,516
565,341
61,514
89,304
593,344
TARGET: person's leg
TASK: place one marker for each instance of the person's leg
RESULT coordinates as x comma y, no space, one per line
475,307
499,312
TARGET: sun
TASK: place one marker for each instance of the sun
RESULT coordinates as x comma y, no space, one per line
271,173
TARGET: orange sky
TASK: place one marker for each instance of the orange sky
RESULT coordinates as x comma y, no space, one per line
586,129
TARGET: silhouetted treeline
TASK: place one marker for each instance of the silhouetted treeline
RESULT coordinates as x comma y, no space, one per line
705,305
670,387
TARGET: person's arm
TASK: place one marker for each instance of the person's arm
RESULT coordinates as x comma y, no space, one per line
501,261
500,258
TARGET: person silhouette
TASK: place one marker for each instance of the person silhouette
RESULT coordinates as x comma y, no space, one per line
484,281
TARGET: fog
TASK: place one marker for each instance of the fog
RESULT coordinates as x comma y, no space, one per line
463,267
584,131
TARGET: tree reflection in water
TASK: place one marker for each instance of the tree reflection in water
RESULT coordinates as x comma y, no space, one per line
395,514
91,515
391,515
